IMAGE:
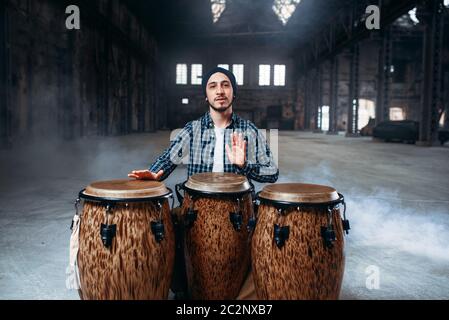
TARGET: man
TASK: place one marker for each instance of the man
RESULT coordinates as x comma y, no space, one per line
207,142
220,141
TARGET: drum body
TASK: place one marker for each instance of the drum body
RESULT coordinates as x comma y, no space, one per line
293,256
123,252
217,242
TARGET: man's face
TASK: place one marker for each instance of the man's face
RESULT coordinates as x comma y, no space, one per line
219,92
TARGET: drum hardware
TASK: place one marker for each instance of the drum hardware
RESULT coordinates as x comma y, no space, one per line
252,221
251,224
157,227
327,232
77,202
346,226
191,214
178,188
237,217
281,235
108,231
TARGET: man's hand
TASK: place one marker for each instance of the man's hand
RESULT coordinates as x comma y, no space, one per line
145,175
237,155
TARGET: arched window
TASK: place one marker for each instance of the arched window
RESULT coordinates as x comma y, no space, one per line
217,7
284,9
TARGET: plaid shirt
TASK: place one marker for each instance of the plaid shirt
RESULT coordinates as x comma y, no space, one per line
197,141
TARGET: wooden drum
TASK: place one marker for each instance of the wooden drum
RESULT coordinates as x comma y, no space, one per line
126,241
219,219
298,246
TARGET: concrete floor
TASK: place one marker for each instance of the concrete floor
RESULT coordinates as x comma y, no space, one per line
397,196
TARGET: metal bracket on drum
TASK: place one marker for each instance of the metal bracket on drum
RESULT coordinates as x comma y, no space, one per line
191,214
328,232
281,235
345,222
157,227
77,202
107,231
253,219
237,217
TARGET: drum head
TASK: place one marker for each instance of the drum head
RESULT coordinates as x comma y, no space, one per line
218,182
299,193
126,189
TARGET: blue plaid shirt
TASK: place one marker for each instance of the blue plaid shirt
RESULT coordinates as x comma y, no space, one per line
197,141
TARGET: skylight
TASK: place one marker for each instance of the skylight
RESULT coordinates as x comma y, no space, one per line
218,6
284,9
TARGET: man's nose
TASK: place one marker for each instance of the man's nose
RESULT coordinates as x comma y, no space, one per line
220,89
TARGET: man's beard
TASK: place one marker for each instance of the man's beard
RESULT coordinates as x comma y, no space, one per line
221,110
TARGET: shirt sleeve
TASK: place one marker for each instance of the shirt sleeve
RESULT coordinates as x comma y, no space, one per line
172,156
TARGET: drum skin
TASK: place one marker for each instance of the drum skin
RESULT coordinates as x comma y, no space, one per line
217,256
303,268
136,266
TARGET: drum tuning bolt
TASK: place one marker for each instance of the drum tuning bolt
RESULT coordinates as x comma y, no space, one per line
237,217
108,231
236,220
281,235
329,237
77,202
346,226
251,224
327,232
157,227
191,215
107,234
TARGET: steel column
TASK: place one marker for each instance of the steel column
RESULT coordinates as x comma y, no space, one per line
5,130
353,96
333,107
432,55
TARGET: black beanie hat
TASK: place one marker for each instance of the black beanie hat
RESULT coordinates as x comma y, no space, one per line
228,73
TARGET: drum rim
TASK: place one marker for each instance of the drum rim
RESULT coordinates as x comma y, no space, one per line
287,204
82,195
214,193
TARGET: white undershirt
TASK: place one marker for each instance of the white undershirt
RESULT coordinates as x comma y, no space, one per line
218,151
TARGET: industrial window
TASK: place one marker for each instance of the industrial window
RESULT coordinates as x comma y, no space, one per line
185,101
412,15
197,73
397,114
367,110
264,74
224,66
284,9
217,7
279,75
446,3
237,69
323,118
442,119
181,74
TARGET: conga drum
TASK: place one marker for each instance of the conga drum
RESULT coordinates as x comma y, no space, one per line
126,241
219,219
298,246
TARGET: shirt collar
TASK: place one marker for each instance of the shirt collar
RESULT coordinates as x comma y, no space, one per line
209,123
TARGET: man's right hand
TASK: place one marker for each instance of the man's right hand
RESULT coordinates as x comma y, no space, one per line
145,175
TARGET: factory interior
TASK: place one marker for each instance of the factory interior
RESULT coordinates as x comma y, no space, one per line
344,103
